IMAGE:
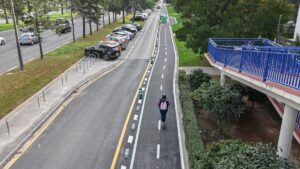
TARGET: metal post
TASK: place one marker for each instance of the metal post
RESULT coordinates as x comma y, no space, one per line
38,99
62,81
44,97
278,29
7,126
222,79
66,78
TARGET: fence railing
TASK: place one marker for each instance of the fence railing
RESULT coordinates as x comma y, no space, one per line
259,57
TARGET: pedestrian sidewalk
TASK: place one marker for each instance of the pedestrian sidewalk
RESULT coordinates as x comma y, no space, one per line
17,127
208,70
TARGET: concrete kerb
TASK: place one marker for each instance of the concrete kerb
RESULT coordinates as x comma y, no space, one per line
54,108
178,106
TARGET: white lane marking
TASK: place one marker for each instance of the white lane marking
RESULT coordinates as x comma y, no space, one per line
161,87
123,167
135,117
166,48
139,101
164,67
159,125
162,76
158,151
143,89
141,116
146,79
165,59
166,53
130,139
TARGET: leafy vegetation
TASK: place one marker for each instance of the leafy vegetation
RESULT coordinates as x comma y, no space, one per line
194,143
224,102
187,57
228,154
229,18
197,78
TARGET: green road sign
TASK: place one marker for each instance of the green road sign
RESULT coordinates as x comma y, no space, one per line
163,19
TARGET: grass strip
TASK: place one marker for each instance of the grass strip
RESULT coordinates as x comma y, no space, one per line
193,139
186,55
17,86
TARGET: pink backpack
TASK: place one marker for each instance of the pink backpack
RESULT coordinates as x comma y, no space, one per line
163,105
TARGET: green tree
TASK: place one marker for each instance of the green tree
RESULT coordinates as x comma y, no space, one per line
228,154
197,78
225,103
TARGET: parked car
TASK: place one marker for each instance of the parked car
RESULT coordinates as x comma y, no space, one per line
123,32
2,41
59,21
105,50
29,38
124,28
63,28
135,25
138,18
119,39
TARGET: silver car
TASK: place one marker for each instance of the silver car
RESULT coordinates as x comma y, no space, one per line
29,38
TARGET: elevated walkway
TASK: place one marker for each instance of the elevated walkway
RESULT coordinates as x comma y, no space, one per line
269,68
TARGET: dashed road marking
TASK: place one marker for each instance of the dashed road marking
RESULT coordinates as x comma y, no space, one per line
166,53
161,87
135,117
123,167
146,79
158,151
159,125
165,59
143,89
130,139
139,101
162,76
164,67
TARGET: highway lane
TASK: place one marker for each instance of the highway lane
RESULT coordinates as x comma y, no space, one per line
153,147
9,55
86,133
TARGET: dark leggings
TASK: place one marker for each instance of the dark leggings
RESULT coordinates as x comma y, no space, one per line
163,115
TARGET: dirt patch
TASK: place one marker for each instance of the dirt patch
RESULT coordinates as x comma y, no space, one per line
259,124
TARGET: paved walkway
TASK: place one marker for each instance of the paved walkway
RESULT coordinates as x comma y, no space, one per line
24,120
209,70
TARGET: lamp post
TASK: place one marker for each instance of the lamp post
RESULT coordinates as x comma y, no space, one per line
17,37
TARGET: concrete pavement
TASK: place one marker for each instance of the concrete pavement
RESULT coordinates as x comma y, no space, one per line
91,122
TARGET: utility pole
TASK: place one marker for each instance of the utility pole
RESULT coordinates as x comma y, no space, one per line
17,36
278,29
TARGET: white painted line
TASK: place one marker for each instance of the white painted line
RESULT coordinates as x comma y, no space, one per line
123,167
162,76
143,89
159,125
164,67
161,87
139,101
135,117
166,48
165,59
166,53
130,139
146,79
141,117
158,151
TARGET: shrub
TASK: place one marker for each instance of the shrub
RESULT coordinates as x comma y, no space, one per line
197,78
194,143
226,103
228,154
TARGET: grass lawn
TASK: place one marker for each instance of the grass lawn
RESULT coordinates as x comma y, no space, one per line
186,56
54,16
9,26
17,86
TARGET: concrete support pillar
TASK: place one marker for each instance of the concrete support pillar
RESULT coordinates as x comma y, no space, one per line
222,79
286,131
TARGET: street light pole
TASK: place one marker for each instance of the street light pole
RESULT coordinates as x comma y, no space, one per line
17,37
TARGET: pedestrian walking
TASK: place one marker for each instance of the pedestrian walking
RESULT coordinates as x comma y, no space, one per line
163,106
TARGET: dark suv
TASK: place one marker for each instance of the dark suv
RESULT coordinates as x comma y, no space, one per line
63,28
105,50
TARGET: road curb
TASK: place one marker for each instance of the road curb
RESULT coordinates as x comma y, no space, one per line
57,106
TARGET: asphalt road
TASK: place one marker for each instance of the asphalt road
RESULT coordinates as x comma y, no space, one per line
9,53
85,134
152,147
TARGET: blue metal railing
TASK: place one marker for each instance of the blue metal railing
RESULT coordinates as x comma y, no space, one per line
259,57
